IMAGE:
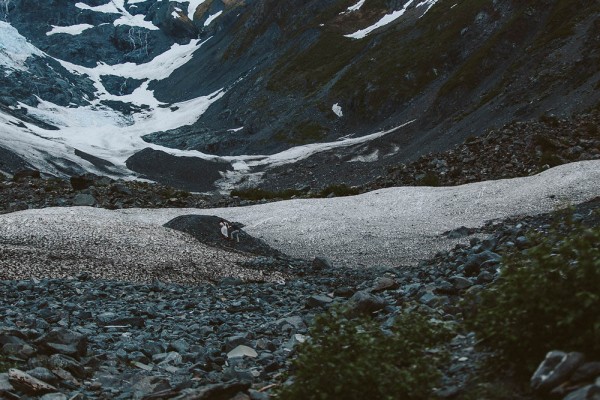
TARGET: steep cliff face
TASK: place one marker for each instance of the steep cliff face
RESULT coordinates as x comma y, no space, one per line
233,77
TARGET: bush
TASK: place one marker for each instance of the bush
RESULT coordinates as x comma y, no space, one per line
550,120
6,364
552,160
339,190
429,179
546,298
259,194
356,359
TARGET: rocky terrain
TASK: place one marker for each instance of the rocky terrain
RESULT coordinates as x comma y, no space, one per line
518,149
87,338
126,295
153,337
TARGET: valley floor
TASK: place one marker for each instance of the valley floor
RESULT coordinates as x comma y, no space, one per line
384,228
74,320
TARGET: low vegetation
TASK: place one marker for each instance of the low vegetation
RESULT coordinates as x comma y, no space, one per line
546,298
356,359
257,194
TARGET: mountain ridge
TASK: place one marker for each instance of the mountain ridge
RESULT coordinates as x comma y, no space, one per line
281,75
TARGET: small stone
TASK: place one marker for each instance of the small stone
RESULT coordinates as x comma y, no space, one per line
234,341
345,292
54,396
363,302
317,301
321,263
586,372
242,351
556,369
27,383
384,283
295,340
180,346
82,199
5,385
460,282
590,392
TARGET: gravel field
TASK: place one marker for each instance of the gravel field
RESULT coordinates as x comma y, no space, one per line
388,227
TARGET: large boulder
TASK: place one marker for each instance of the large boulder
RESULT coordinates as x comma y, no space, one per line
206,229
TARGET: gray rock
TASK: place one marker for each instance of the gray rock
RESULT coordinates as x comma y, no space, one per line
242,351
556,369
64,341
54,396
28,384
43,374
294,341
180,345
384,283
344,291
171,357
363,302
295,322
5,385
321,263
431,300
234,341
460,282
67,363
590,392
82,199
586,372
474,262
318,301
484,277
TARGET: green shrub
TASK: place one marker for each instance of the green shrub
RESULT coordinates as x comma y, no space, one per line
550,120
356,359
6,364
547,298
430,179
260,194
591,128
550,159
339,190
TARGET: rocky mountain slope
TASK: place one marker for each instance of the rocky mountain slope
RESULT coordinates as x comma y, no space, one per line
258,77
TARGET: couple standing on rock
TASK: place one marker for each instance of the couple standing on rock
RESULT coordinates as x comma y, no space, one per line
229,231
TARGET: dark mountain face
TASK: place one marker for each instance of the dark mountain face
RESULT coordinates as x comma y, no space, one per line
457,69
294,73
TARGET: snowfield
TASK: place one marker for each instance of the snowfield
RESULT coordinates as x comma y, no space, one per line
387,228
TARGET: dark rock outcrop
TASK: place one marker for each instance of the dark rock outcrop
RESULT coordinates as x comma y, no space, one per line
206,229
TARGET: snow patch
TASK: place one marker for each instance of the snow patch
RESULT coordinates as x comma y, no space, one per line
192,8
428,3
374,156
15,49
212,17
69,30
337,110
235,129
353,8
118,7
389,18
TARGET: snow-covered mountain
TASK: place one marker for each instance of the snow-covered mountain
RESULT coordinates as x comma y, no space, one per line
189,91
